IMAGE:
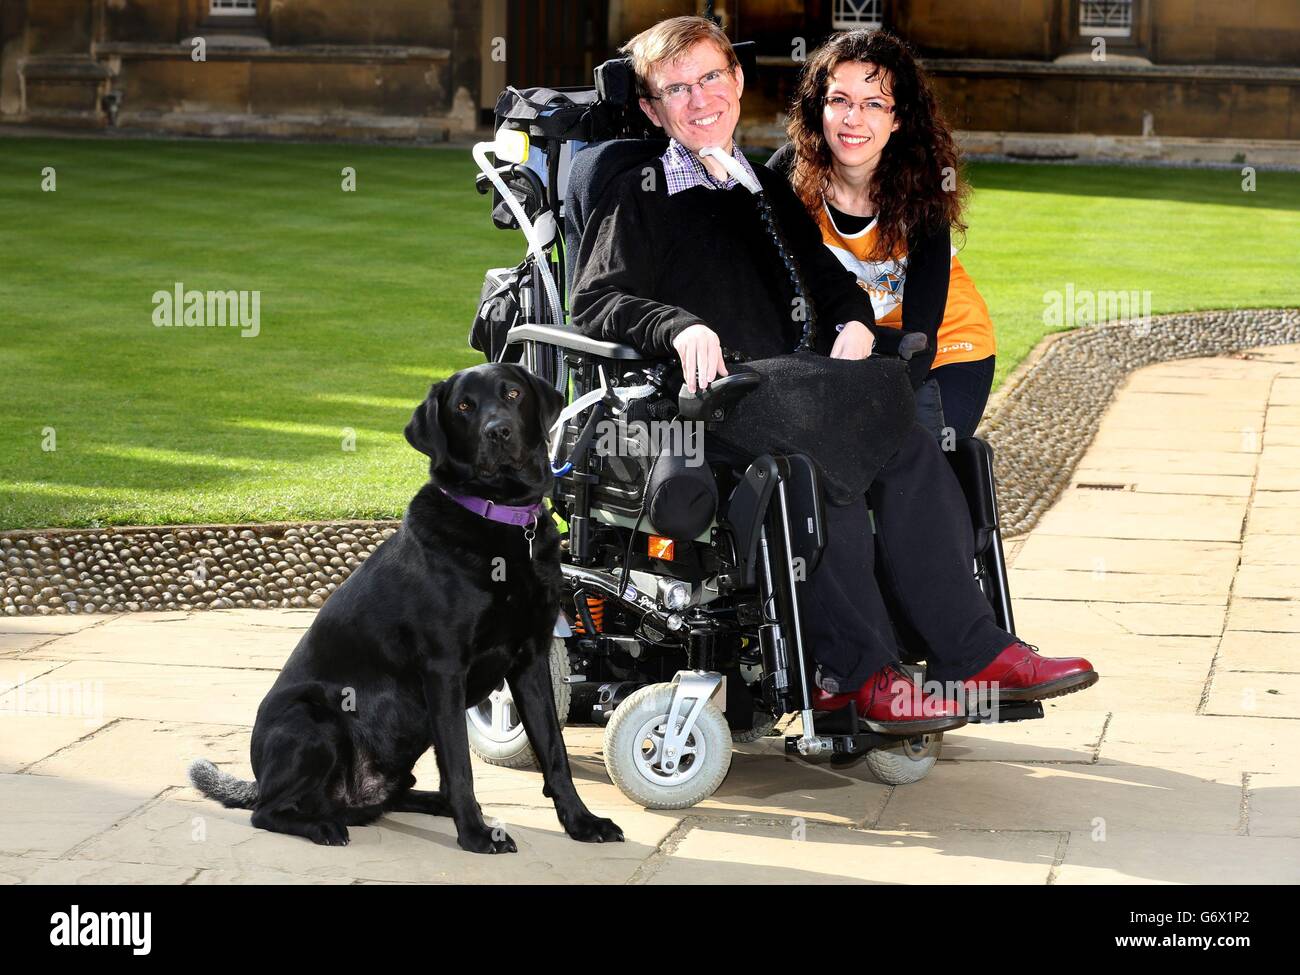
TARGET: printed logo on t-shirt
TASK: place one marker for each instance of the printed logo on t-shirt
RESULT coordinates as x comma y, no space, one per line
883,281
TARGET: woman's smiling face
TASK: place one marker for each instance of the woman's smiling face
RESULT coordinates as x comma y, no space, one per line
858,115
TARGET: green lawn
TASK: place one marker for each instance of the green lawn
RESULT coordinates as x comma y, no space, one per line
366,298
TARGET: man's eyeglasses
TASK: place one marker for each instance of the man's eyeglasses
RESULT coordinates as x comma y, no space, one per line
839,105
713,82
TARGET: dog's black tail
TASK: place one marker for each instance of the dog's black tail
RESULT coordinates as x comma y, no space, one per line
231,792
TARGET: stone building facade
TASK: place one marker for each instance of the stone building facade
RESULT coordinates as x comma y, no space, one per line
1191,69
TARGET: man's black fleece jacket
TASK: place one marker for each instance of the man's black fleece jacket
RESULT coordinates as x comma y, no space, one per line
651,265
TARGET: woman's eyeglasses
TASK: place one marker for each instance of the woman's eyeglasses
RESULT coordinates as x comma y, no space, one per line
839,105
711,83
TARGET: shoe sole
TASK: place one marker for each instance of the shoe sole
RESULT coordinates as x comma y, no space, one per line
910,729
1056,688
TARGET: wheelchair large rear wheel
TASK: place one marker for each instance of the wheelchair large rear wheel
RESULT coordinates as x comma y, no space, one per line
906,762
634,752
496,732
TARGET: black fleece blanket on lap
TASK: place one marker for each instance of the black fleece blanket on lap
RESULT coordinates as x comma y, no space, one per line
849,416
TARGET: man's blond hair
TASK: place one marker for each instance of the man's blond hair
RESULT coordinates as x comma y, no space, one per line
668,40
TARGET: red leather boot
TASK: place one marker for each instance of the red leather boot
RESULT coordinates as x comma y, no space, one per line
1019,673
890,703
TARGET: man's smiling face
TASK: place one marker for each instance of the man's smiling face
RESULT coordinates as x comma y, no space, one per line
706,116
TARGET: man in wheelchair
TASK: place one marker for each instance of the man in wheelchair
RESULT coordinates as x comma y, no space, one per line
702,257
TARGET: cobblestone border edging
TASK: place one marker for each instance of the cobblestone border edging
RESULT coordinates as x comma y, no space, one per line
1039,425
185,567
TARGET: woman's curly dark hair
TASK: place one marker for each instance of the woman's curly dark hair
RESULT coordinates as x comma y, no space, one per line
907,186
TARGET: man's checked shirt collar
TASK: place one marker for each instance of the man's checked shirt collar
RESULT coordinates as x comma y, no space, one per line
685,170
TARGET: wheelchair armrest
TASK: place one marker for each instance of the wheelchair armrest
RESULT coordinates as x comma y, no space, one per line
709,404
572,339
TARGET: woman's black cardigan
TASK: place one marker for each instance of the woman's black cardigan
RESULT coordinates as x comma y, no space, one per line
929,269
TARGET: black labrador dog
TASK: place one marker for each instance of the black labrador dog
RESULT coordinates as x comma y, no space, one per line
464,594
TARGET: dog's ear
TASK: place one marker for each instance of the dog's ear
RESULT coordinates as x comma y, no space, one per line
425,432
549,401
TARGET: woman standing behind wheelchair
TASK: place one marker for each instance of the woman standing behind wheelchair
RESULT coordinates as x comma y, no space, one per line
875,165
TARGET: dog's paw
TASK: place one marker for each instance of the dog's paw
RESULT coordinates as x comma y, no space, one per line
587,828
327,833
484,840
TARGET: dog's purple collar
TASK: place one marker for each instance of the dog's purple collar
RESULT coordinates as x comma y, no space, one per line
507,514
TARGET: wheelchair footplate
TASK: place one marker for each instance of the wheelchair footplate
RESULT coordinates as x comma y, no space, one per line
843,736
1007,711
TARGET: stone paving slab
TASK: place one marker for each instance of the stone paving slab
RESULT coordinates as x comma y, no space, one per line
149,755
1265,582
1271,615
1246,650
1178,858
39,870
169,693
1072,737
1118,619
751,853
1043,550
1273,805
1141,459
16,644
1244,439
1271,518
1115,587
1127,514
1151,411
1013,796
25,738
1199,742
50,624
402,847
1146,482
1255,695
50,816
1278,499
200,639
1272,550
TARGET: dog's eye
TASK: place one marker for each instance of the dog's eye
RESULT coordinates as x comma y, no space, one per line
463,406
512,394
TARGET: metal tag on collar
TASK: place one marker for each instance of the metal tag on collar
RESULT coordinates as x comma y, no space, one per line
529,534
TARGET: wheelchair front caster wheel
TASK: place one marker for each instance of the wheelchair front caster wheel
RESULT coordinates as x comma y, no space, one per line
636,759
906,762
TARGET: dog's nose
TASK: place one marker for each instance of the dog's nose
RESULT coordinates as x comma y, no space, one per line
497,431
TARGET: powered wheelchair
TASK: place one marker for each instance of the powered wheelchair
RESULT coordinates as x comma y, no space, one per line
679,634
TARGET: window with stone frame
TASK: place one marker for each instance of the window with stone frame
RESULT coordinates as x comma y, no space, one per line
232,8
1106,18
854,14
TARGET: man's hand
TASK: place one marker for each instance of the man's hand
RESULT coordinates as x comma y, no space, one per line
854,342
700,351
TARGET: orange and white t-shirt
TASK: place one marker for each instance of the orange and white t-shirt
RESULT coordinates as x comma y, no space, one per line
966,332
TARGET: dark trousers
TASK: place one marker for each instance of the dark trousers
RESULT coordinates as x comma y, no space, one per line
955,396
923,549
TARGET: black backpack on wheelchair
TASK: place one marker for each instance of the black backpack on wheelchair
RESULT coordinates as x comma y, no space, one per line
681,630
